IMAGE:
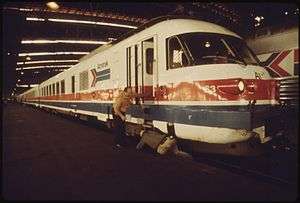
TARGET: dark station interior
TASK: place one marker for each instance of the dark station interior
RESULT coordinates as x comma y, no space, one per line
232,118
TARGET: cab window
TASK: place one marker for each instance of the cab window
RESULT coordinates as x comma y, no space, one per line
176,57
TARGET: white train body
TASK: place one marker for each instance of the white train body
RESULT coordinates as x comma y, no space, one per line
210,101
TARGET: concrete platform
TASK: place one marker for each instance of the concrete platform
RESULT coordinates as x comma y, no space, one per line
47,157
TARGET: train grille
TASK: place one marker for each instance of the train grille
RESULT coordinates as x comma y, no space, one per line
289,90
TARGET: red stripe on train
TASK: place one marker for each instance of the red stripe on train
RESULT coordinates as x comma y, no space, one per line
211,90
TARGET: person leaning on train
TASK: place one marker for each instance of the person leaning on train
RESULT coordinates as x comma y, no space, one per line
120,106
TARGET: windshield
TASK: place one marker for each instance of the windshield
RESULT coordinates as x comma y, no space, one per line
212,48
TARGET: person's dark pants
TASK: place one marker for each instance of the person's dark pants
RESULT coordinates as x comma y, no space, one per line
119,130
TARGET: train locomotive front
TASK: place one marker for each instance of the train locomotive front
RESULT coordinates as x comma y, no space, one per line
216,97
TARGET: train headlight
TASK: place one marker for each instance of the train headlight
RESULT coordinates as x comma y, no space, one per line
241,85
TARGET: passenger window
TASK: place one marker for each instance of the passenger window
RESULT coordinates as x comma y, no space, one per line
73,84
149,61
83,80
62,85
176,57
57,88
53,89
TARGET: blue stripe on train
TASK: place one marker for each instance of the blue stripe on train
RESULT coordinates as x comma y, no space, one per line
237,117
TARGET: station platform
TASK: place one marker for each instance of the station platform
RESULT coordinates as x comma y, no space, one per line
48,157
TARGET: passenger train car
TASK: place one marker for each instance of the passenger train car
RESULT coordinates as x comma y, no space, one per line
200,83
278,50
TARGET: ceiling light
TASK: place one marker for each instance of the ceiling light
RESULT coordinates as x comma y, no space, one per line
31,85
61,41
25,9
53,5
257,24
52,53
47,61
91,22
207,44
257,18
28,58
286,13
35,19
22,73
51,66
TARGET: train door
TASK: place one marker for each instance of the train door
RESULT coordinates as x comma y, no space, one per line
134,68
141,64
148,62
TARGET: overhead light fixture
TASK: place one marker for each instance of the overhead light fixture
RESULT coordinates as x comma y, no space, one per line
28,58
81,22
47,61
259,18
35,19
52,53
30,85
62,41
51,66
25,9
286,13
52,5
91,22
58,70
207,44
22,73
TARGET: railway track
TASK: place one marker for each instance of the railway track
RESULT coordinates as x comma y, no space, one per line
276,168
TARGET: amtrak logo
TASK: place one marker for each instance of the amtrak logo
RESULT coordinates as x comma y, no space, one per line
100,75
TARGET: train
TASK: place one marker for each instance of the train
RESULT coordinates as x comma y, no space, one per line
278,50
200,82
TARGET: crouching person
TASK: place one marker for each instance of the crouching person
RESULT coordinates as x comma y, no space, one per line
161,143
